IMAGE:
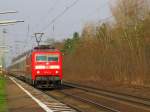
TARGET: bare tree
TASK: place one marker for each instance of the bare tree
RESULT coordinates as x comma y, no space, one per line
128,12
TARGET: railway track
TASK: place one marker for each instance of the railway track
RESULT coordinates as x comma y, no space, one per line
91,96
128,100
62,105
96,106
87,99
44,100
120,96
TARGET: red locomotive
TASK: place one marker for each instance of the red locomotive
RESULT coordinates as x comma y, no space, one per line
41,67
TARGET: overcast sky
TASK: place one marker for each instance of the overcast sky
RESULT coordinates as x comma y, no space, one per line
38,14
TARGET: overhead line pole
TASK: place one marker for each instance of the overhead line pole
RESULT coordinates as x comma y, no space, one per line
8,12
5,22
4,49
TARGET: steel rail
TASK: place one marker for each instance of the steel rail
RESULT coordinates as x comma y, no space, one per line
120,96
44,93
86,100
62,101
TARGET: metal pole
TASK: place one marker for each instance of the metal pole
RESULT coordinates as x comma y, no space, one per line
10,21
7,12
3,50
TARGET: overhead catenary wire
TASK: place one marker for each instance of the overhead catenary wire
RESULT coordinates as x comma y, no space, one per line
96,10
67,8
102,6
60,15
63,12
106,18
43,18
89,15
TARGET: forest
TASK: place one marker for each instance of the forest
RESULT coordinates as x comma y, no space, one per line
112,52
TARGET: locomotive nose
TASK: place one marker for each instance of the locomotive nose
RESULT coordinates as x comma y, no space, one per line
47,63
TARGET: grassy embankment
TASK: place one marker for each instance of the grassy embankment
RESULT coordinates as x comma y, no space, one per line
2,94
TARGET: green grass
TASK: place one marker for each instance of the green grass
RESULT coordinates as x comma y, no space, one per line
2,94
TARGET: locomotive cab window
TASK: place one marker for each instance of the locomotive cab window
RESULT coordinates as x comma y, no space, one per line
49,57
41,58
53,58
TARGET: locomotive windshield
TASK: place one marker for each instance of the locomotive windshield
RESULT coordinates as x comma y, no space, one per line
52,57
41,58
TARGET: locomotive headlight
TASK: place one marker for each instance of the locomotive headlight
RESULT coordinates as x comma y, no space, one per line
40,67
38,72
54,67
57,72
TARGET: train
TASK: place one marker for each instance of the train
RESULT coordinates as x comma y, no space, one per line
41,67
